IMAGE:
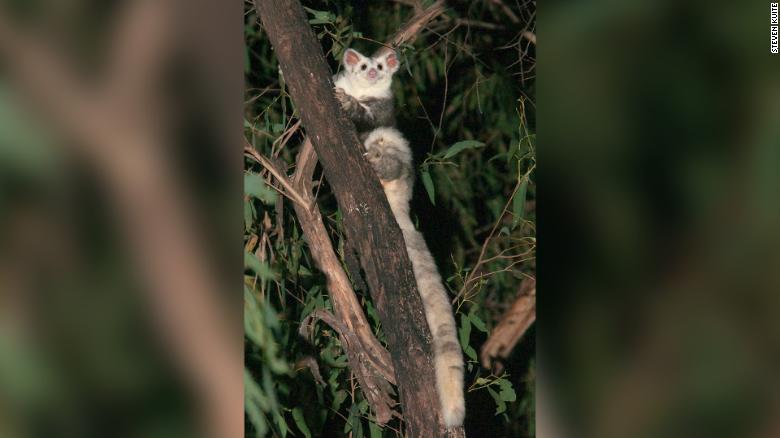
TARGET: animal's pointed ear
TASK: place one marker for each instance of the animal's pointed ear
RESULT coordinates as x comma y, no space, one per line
391,59
352,58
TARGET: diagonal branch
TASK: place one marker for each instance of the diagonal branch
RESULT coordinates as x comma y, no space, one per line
415,25
345,302
513,325
369,360
288,191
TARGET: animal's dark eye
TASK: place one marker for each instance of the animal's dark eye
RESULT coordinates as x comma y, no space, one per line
363,67
379,66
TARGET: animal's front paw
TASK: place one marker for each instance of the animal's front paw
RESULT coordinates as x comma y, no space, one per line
345,100
373,155
341,96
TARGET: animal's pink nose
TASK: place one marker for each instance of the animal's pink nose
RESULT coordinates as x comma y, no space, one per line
372,73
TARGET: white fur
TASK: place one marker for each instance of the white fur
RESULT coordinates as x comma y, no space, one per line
356,83
359,88
389,136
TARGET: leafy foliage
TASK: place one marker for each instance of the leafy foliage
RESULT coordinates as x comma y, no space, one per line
464,100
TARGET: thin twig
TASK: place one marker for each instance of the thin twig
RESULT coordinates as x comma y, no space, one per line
530,36
473,273
414,26
507,10
288,191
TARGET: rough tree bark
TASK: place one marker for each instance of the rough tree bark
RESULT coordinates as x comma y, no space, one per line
368,221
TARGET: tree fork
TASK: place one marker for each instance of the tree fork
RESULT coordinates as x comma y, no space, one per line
368,221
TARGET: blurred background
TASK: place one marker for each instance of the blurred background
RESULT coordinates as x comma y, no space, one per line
659,220
120,219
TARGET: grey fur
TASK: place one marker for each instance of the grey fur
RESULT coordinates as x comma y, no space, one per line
389,163
380,112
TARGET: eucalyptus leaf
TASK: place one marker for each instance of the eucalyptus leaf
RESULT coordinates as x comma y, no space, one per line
465,330
478,323
507,392
470,352
256,187
262,269
428,184
297,414
461,146
518,203
376,431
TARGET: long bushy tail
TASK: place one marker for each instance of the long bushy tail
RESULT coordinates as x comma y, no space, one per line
389,153
448,357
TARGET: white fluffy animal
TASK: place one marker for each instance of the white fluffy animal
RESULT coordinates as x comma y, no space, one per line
363,88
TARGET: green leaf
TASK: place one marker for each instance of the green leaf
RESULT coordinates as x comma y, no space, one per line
303,271
337,50
507,392
253,412
262,269
283,427
460,146
478,323
518,203
249,215
353,422
465,331
428,183
253,393
255,186
470,352
320,17
357,430
297,414
500,403
333,360
376,431
338,399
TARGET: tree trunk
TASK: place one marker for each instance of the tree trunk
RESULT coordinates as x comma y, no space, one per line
368,221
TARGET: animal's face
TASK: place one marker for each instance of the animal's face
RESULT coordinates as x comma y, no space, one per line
371,71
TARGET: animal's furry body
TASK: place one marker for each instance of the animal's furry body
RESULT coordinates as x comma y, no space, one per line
389,154
363,89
